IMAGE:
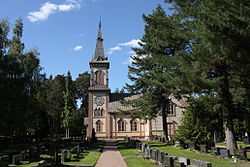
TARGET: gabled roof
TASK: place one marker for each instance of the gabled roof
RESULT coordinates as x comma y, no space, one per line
115,101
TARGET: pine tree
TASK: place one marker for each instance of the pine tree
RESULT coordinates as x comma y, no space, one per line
154,65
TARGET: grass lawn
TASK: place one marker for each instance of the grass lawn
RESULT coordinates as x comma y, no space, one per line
130,154
239,143
88,158
127,151
139,162
216,161
29,165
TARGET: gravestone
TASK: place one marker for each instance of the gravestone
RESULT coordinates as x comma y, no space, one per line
15,159
78,149
179,164
242,154
192,145
63,156
184,160
161,156
143,147
225,153
4,160
215,151
246,140
169,161
203,148
200,163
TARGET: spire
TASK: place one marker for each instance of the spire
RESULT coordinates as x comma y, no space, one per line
99,51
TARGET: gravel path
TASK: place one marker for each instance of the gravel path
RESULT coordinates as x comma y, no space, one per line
111,156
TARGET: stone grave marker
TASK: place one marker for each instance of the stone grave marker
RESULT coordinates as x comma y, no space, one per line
186,161
203,148
215,151
63,156
242,153
15,159
192,145
200,163
161,156
225,153
246,140
4,160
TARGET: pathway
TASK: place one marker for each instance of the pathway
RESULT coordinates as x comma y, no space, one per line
111,156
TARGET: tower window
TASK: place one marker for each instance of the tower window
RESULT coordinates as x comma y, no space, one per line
98,112
134,125
121,125
99,77
171,110
99,126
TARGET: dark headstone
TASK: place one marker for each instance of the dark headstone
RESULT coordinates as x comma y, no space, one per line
184,160
4,160
200,163
15,159
161,156
179,164
215,151
168,160
246,140
63,156
225,153
192,145
203,148
242,154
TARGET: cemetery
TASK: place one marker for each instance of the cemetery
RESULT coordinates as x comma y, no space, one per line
54,153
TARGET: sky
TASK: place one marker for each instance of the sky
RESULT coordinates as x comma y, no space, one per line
64,32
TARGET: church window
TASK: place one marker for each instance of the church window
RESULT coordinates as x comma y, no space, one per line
171,109
99,126
99,77
98,112
134,125
121,125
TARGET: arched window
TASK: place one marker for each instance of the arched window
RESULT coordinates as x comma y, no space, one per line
134,125
121,125
171,110
98,112
99,77
99,126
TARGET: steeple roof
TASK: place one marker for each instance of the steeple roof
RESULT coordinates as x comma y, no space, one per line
99,50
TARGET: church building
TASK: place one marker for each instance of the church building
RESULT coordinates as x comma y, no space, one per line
103,106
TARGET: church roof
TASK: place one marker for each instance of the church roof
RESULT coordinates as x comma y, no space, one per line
115,101
99,50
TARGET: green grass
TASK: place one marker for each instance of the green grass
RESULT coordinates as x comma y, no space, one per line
239,143
216,161
29,164
89,158
139,162
130,154
126,150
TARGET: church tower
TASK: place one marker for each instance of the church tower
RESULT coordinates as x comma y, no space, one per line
98,93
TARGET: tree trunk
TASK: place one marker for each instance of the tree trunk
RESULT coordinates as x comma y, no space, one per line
227,109
164,121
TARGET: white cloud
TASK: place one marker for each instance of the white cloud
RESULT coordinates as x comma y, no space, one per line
111,50
49,8
78,36
77,48
132,43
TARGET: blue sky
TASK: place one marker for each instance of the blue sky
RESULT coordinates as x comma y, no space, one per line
64,32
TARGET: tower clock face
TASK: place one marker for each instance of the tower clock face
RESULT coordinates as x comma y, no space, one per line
99,101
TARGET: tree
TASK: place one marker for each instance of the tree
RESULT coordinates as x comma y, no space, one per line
154,66
200,121
70,104
218,54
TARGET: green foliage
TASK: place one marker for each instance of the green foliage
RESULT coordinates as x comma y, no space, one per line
20,82
200,121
